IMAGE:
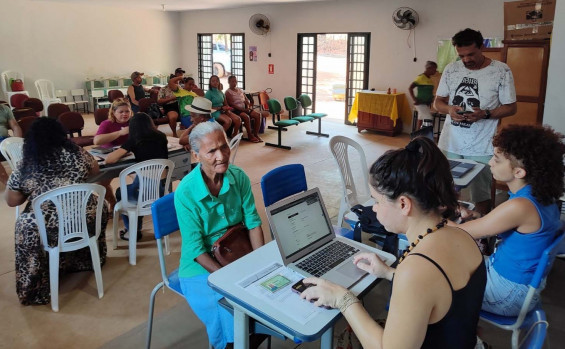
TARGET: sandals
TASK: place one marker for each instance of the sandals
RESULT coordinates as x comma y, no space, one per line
124,235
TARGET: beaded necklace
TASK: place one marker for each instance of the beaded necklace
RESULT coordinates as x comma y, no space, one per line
420,237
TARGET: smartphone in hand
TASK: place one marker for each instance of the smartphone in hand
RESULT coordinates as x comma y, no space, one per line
461,112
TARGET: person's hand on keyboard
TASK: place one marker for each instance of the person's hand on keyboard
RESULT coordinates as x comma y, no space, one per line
372,264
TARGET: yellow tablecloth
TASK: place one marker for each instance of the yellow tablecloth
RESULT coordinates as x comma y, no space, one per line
391,105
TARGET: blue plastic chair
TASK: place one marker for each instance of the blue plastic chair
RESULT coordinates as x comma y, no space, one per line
164,223
534,320
288,180
282,182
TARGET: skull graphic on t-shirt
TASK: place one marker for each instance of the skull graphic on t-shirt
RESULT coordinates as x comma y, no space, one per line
467,97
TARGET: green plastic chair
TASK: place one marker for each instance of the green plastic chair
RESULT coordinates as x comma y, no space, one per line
306,102
278,124
291,104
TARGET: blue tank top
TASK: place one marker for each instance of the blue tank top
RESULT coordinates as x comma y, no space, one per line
517,255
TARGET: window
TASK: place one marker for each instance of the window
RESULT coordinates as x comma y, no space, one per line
221,55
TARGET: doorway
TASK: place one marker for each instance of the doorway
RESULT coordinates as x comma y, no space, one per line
332,67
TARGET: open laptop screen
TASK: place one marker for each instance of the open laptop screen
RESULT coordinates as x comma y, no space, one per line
299,224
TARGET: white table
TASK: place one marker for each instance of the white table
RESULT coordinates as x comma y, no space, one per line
177,154
466,179
225,281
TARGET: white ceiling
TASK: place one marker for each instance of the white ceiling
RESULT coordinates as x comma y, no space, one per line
183,5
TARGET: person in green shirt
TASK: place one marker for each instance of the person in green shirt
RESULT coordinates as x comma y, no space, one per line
184,96
425,95
212,197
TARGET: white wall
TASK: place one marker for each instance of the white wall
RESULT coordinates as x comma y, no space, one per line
67,43
391,62
554,113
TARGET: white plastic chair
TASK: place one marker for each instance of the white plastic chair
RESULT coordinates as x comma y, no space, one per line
5,83
46,92
12,150
78,95
355,184
234,145
149,174
63,95
96,96
70,202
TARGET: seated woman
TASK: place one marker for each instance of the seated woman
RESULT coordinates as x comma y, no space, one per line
113,132
529,159
439,281
241,106
222,113
212,197
146,143
50,160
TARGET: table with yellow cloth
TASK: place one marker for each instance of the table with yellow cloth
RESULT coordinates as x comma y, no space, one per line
380,111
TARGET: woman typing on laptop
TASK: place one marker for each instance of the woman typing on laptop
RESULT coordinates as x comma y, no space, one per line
439,281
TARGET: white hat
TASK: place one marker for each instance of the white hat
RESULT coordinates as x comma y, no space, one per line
200,105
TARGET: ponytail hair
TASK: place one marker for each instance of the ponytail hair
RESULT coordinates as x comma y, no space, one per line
420,171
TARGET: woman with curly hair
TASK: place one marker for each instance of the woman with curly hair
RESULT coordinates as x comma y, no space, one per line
529,159
50,160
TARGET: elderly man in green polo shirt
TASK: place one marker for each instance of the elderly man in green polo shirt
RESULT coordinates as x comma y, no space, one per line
212,197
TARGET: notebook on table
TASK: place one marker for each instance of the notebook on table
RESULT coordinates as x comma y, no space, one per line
307,241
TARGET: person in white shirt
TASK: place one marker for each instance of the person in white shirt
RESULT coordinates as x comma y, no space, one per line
474,92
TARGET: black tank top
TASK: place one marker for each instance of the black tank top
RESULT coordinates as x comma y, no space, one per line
458,328
138,91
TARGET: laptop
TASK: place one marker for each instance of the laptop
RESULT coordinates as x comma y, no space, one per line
307,242
459,169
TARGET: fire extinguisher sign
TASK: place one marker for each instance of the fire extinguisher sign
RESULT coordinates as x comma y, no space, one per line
271,68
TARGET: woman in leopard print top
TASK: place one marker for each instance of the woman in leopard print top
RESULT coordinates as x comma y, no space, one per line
50,161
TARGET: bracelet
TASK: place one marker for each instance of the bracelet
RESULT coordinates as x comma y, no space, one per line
347,300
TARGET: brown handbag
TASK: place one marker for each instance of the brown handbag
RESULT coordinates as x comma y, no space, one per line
232,245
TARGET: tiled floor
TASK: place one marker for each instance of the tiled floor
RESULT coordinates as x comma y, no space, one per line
118,319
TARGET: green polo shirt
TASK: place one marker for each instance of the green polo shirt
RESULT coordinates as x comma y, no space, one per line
425,85
5,117
204,218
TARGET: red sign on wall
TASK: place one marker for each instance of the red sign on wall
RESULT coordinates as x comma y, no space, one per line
271,68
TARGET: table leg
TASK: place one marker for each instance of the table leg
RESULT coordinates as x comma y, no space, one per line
241,329
326,342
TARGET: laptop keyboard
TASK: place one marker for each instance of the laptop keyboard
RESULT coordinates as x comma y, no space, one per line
328,257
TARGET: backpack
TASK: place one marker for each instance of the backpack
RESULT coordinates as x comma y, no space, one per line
369,223
154,111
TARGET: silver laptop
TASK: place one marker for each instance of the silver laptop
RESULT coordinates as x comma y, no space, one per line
307,241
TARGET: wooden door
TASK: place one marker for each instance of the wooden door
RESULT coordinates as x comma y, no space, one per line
528,61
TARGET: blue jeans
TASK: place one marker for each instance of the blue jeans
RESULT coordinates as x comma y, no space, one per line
204,303
504,297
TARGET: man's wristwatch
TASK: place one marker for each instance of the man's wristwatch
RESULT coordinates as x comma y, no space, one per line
487,114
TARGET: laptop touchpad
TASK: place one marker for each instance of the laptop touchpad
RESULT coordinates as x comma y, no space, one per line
350,270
